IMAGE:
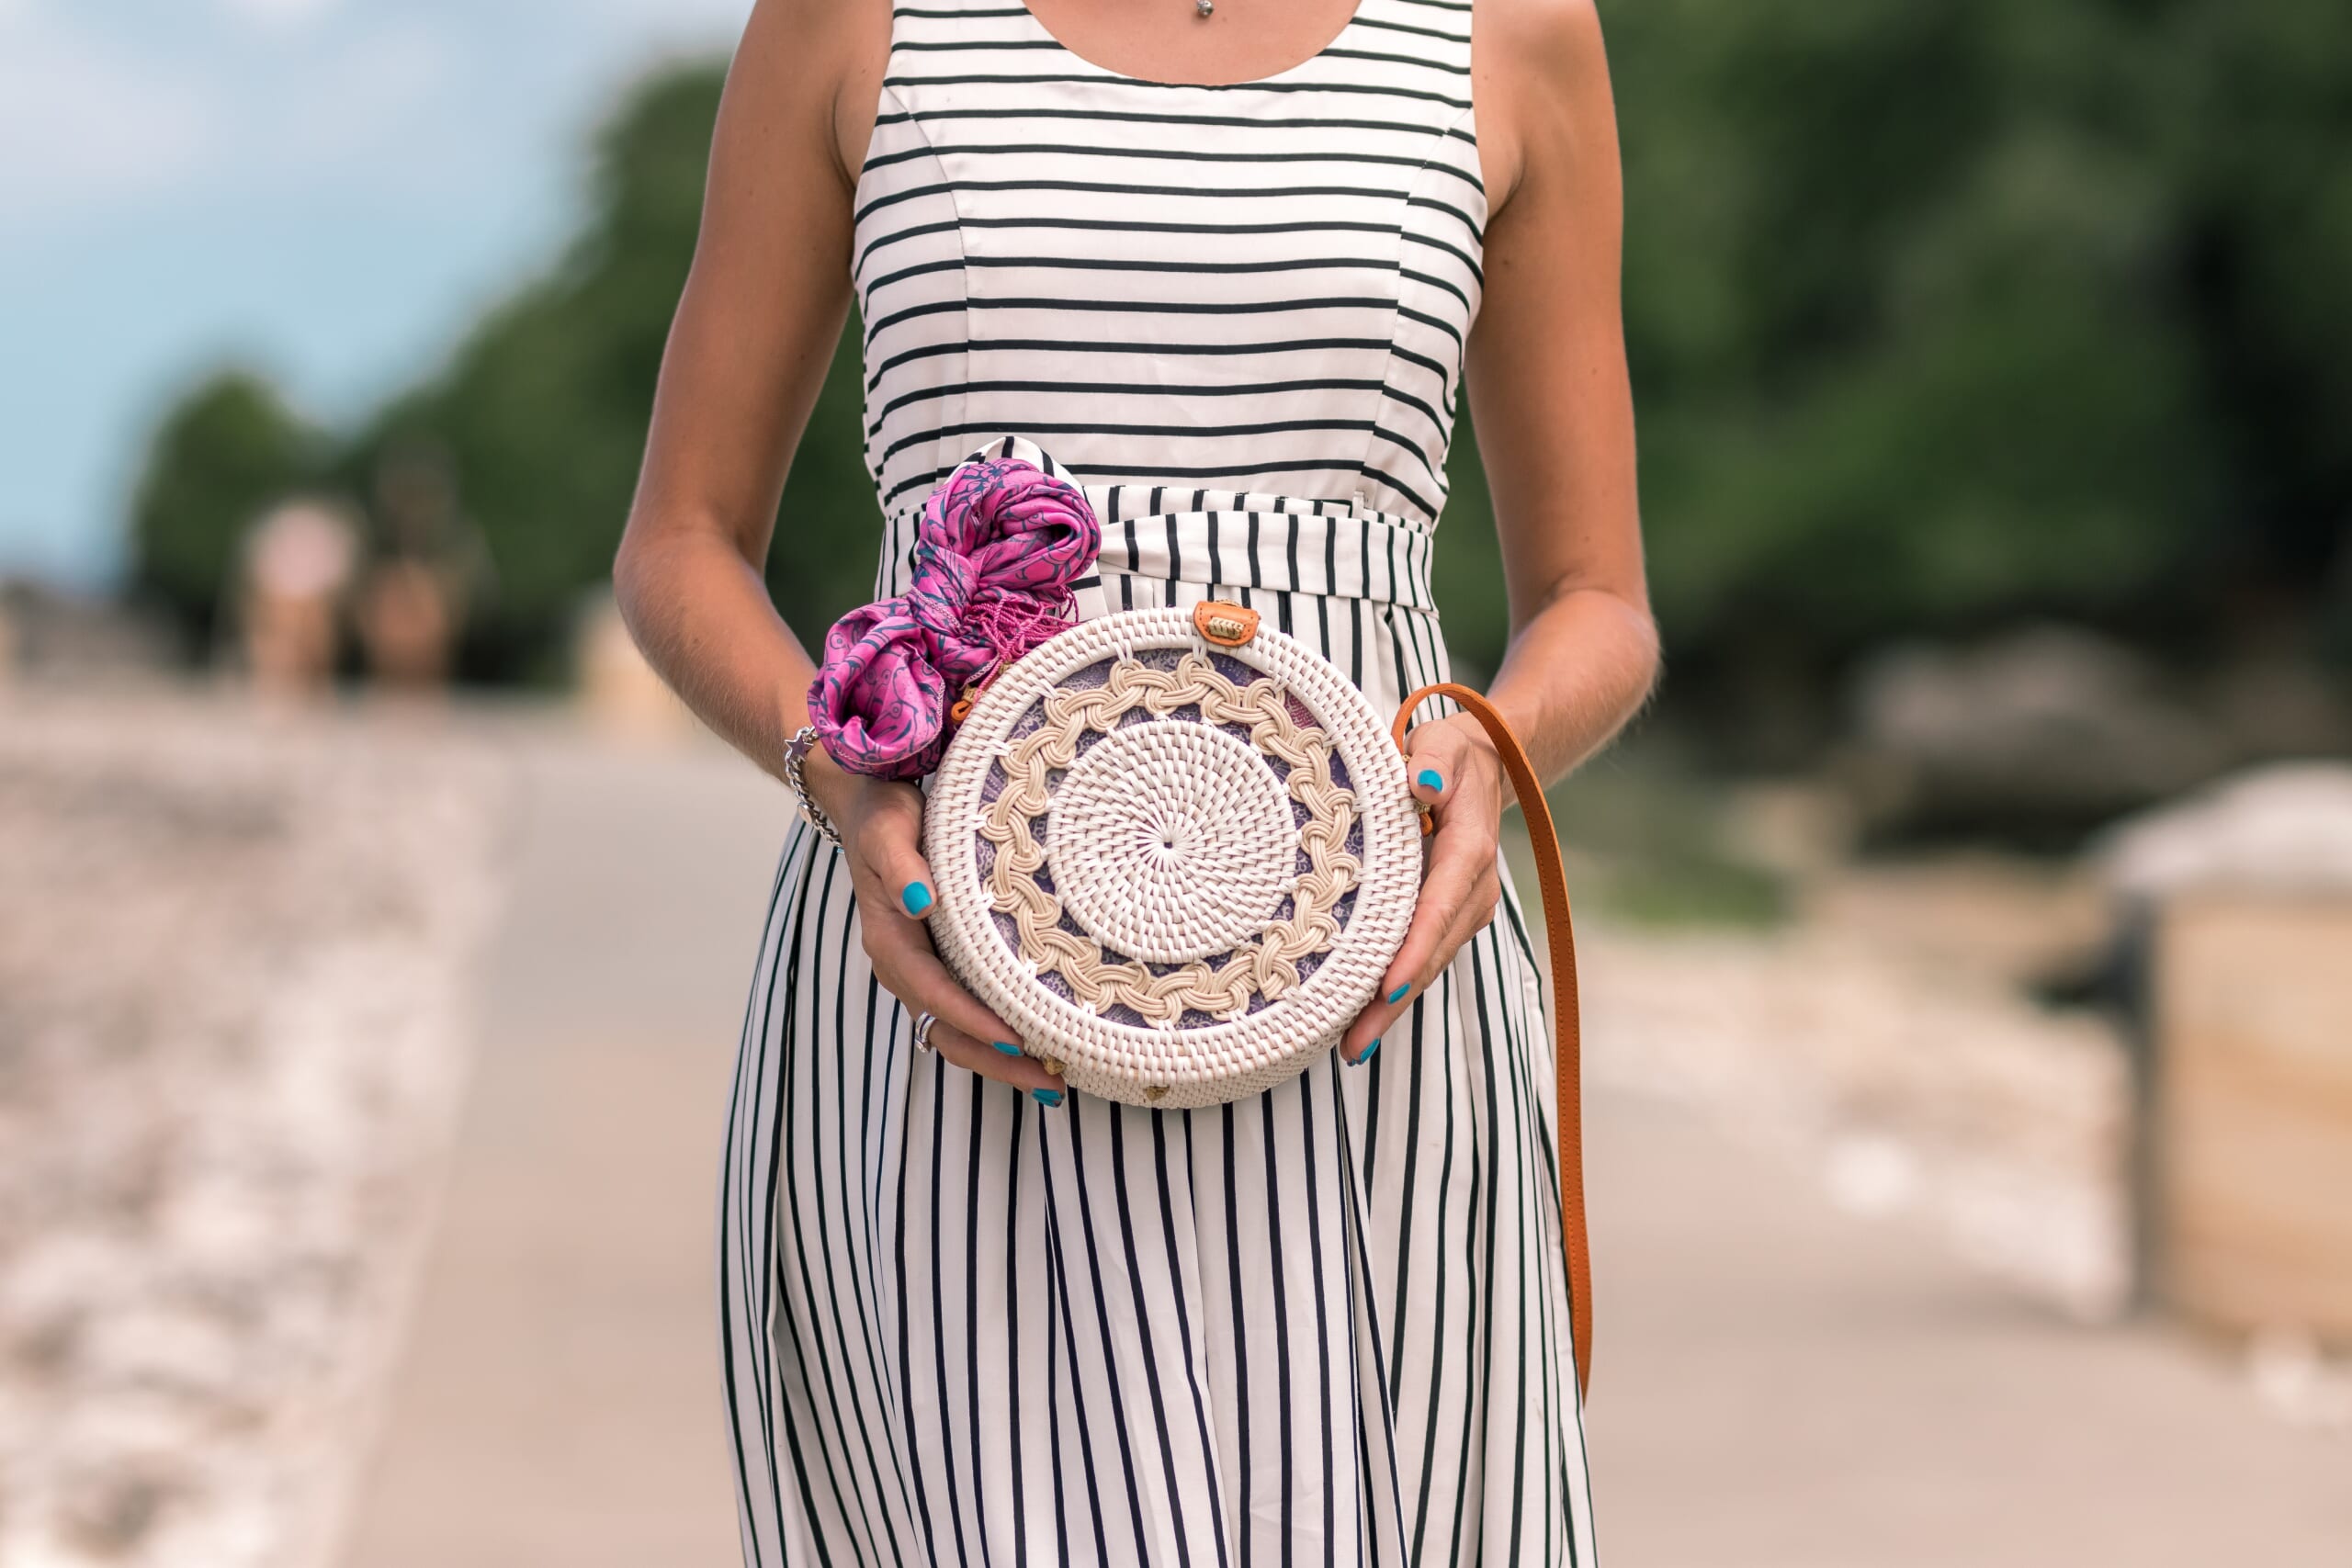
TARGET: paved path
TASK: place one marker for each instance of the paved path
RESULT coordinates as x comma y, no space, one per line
558,1403
1781,1385
1778,1384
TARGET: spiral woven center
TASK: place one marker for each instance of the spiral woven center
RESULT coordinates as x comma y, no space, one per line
1171,841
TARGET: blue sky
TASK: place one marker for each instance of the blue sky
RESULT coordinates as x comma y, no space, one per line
326,189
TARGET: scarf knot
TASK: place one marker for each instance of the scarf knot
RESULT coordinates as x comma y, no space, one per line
998,546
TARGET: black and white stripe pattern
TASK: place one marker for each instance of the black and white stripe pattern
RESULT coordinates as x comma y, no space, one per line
1328,1323
1262,287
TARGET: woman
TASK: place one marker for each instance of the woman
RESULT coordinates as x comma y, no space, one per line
1221,258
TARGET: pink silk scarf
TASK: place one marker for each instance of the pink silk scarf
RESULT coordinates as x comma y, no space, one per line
998,546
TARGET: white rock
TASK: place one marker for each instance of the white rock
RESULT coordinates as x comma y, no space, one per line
2281,828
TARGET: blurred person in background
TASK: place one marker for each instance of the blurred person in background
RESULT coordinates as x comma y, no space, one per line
1242,246
293,593
414,598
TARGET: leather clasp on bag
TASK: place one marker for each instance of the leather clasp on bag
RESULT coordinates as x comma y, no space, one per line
961,709
1228,626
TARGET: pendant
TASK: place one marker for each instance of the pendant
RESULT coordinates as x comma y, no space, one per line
1204,7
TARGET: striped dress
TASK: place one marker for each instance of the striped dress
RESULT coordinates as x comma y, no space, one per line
1327,1323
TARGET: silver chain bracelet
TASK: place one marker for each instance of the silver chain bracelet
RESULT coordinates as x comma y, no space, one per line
795,759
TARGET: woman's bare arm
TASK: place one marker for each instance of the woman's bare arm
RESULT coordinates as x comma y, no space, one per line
1549,392
1555,418
747,352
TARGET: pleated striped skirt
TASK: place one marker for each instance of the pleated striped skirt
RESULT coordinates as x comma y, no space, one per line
1327,1323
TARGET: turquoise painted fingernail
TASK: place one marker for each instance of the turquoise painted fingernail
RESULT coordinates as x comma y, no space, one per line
1008,1050
1046,1097
1369,1052
916,897
1432,780
1400,990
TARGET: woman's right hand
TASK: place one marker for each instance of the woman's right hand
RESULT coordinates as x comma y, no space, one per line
880,822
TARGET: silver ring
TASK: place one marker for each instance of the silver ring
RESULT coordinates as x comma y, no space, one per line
924,1020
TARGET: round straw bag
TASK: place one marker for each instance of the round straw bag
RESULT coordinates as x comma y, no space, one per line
1176,851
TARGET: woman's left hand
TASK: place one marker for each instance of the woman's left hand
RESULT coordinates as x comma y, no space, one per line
1454,767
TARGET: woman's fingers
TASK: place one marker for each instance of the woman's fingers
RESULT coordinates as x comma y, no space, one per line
989,1060
1436,757
1457,900
914,975
1456,774
965,1033
895,894
890,840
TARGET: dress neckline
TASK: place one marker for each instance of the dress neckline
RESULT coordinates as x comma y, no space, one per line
1285,75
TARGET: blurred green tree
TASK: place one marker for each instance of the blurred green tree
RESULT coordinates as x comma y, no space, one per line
228,451
1949,312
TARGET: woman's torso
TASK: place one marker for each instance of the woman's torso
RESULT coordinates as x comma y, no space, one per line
1236,313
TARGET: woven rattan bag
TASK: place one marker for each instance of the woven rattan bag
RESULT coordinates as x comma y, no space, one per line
1176,851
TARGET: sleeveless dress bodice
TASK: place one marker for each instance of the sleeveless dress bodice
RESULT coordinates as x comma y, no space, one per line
1327,1323
1205,301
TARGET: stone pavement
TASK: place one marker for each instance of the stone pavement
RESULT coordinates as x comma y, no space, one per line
1778,1383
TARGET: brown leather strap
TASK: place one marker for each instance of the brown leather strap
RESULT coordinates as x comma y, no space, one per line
1554,881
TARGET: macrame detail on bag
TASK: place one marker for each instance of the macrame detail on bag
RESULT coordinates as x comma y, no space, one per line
1169,841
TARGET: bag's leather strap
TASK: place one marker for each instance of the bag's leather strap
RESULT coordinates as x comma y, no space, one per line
1552,880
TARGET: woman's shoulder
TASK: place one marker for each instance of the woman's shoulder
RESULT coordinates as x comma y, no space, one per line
1541,72
1564,30
815,67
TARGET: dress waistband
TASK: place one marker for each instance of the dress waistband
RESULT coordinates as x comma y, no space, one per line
1233,539
1337,550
